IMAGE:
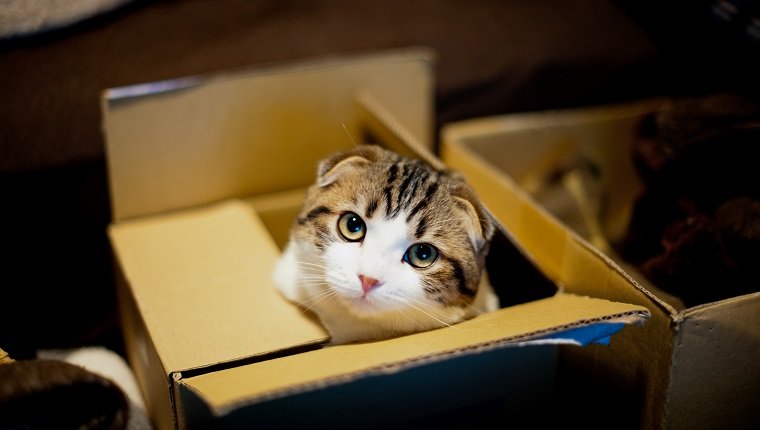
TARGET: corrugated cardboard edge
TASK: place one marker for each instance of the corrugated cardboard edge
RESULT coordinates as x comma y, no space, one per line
302,65
141,349
716,342
629,317
499,379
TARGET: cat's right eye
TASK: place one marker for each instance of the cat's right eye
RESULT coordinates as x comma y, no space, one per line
351,227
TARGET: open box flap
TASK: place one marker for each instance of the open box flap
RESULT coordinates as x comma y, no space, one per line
206,293
543,319
180,144
717,342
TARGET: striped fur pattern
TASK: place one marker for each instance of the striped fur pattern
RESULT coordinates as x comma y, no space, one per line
386,245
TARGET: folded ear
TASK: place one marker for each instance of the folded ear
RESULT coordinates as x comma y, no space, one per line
480,224
332,167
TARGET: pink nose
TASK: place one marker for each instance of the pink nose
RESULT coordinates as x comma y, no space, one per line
368,283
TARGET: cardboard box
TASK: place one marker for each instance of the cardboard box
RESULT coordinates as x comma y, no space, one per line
689,368
207,174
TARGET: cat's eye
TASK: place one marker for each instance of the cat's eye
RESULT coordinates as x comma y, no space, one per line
421,255
351,227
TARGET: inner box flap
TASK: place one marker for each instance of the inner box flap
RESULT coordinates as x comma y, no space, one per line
206,293
177,144
251,383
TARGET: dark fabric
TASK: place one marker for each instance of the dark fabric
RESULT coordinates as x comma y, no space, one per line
40,394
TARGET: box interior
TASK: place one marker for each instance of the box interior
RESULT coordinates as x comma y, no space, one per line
575,165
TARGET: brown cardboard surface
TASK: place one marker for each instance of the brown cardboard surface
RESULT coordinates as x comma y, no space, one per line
196,262
277,211
381,124
281,376
509,204
476,389
716,371
143,357
202,281
218,137
598,134
685,362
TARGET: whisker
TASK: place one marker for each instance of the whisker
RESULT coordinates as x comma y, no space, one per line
431,308
447,324
478,310
404,313
312,301
429,312
308,263
311,271
317,299
313,284
351,138
308,277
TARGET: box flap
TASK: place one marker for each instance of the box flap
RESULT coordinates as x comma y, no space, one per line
542,144
720,343
229,388
178,144
569,259
383,126
206,293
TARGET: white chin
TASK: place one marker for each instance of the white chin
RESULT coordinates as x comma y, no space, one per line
363,307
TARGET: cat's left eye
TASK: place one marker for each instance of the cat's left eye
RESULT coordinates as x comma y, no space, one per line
421,255
351,227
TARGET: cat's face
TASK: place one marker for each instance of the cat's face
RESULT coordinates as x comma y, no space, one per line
392,235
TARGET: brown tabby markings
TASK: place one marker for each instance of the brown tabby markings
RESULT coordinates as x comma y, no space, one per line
425,196
371,208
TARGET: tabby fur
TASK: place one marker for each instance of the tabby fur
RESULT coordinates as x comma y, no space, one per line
402,202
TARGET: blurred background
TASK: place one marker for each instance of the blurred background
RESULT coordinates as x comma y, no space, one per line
494,57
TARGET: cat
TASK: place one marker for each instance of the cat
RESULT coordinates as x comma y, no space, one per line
386,245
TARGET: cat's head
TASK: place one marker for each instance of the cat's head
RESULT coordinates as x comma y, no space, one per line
394,236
